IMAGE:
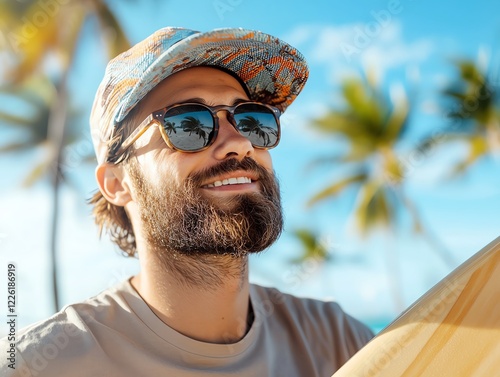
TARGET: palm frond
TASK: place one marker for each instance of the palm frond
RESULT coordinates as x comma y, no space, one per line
363,104
472,95
32,50
115,38
337,187
313,248
369,119
376,207
35,174
393,171
478,147
14,120
72,24
36,91
397,121
16,147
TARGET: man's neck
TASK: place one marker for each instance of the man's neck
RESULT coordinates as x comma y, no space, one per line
204,297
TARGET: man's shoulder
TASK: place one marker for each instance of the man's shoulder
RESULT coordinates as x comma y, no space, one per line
97,307
314,318
64,333
305,305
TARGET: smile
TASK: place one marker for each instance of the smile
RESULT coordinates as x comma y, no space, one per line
230,181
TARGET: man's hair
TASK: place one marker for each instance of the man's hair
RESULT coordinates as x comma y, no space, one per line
109,217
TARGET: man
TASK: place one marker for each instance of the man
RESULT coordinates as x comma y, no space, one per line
182,124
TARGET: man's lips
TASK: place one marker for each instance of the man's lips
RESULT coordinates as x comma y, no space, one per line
230,181
235,178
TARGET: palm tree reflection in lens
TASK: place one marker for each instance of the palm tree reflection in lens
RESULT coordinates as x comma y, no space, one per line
255,122
251,125
194,125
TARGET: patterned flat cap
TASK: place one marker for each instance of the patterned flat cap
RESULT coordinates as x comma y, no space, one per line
273,71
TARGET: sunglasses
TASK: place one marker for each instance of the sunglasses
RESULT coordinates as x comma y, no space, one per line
193,127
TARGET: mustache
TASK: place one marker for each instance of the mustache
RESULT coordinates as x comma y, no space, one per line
247,164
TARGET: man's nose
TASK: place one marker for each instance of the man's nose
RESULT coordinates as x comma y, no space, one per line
229,142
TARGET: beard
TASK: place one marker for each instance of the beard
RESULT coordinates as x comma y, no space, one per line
177,220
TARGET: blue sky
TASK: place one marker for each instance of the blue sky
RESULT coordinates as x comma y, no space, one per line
406,44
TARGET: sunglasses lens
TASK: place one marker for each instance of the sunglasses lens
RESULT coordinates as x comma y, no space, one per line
189,127
257,123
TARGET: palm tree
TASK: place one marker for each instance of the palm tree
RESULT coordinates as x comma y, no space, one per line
373,125
170,127
37,95
251,125
49,31
193,125
476,114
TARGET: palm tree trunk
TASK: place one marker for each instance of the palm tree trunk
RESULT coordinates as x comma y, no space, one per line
53,237
57,123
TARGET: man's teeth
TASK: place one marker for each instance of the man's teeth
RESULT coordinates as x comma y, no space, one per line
230,181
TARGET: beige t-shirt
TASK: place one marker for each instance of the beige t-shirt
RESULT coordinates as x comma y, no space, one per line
117,334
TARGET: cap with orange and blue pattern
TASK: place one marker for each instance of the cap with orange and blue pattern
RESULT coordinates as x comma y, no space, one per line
273,71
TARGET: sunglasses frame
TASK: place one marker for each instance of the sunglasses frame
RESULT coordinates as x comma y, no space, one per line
156,118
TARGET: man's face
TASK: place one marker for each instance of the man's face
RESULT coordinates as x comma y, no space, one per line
180,208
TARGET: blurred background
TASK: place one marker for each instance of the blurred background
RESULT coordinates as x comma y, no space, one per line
389,160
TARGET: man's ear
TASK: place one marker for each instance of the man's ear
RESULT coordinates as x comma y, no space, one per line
112,184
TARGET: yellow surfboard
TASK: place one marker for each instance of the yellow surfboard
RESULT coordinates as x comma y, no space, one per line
451,331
